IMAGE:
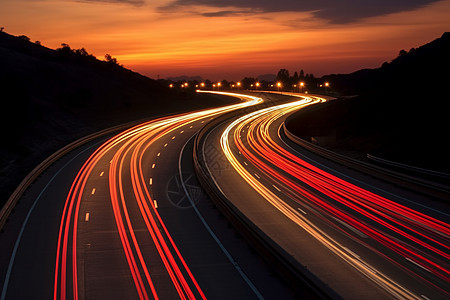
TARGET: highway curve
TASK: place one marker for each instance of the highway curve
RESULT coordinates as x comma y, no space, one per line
363,238
112,220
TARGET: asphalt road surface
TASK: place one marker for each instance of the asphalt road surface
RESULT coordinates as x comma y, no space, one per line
114,220
364,238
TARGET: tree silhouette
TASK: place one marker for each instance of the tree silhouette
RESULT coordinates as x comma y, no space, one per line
283,76
110,59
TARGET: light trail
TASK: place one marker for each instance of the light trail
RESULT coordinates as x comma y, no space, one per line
419,238
128,149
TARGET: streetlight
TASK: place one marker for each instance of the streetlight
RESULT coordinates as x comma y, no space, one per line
257,85
278,85
238,84
302,84
327,84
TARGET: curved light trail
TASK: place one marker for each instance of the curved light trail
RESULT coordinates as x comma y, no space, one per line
420,239
126,169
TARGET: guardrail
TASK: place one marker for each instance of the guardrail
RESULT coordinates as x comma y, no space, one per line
409,168
433,189
10,204
299,277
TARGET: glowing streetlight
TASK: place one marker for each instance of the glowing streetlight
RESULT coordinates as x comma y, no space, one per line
302,84
171,85
202,84
327,84
278,85
238,84
257,85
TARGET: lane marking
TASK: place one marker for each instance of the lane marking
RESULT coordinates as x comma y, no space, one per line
25,222
245,163
87,217
159,153
351,252
352,228
303,212
153,166
173,137
165,145
257,176
181,131
213,235
191,126
101,174
93,191
410,260
155,203
151,181
276,187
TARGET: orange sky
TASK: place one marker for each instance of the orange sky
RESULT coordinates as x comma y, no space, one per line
182,41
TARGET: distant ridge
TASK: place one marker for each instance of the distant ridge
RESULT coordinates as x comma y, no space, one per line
400,114
51,97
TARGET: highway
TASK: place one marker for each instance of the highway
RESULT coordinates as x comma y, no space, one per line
332,220
124,217
114,220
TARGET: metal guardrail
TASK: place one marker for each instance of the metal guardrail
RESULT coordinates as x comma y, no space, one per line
409,168
10,204
290,269
432,189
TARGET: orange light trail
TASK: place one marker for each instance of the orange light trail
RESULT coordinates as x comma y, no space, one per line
128,149
418,237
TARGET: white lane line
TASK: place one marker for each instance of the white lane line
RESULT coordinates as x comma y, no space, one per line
151,181
351,252
191,126
25,222
410,260
208,228
165,145
181,131
153,166
155,203
257,176
276,187
93,191
159,153
87,217
101,174
352,228
173,137
245,163
302,211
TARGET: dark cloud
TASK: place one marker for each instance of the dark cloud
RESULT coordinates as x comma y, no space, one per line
340,12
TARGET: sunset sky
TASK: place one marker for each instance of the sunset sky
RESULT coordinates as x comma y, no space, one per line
230,39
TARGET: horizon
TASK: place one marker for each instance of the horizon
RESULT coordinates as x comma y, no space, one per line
231,40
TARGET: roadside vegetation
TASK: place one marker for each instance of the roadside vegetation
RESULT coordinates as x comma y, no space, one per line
397,112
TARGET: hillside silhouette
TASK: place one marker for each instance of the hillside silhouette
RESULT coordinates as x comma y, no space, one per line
397,112
50,98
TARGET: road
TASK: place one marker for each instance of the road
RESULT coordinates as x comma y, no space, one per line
123,217
330,219
114,220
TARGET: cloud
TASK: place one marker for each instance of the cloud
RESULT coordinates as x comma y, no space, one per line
338,12
131,2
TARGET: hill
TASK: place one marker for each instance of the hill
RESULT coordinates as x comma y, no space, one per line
400,111
50,98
